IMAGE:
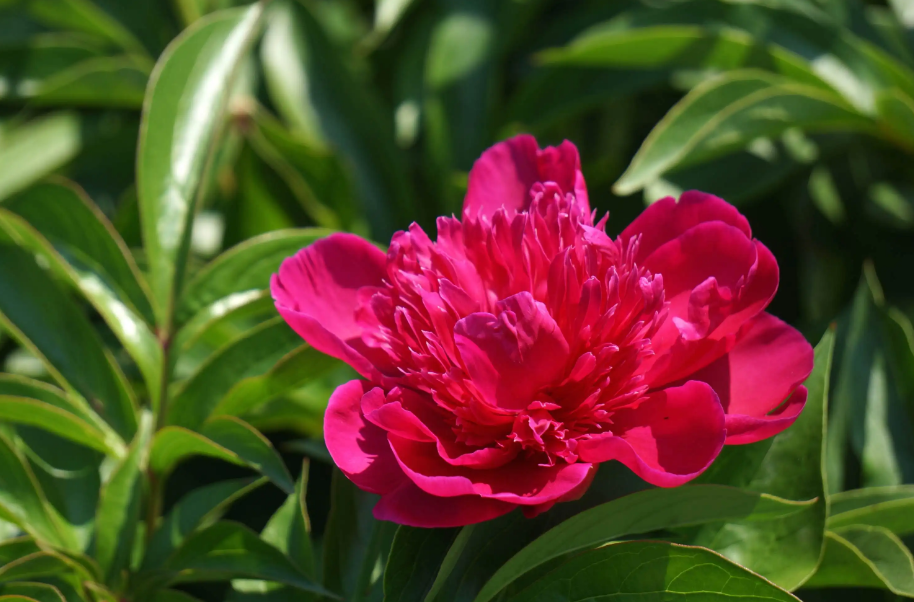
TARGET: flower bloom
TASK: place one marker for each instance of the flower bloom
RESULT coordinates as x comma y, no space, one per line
507,359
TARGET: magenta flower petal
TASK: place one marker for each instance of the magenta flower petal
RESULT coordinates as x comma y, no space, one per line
505,174
512,355
667,439
359,448
317,292
766,365
518,482
409,505
667,219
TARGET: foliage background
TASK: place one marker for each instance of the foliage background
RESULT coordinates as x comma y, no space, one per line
361,116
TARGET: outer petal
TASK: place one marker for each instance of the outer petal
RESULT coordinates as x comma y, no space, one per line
415,416
669,438
359,448
409,505
769,361
503,175
666,219
316,291
743,276
519,482
510,357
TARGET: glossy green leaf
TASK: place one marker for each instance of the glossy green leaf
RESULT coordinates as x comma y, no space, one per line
789,465
888,507
415,558
229,550
646,570
58,223
289,529
226,438
22,410
726,113
184,112
295,369
44,318
243,269
863,556
639,513
120,504
37,565
251,355
37,148
84,16
22,501
349,116
198,509
354,542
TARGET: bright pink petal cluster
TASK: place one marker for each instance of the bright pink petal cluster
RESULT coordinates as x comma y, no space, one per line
506,359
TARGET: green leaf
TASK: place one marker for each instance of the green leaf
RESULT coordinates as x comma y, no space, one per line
640,512
789,465
84,16
81,245
37,148
40,592
23,502
22,410
223,321
889,507
36,565
415,558
354,542
120,504
184,113
647,570
43,318
349,116
226,438
295,369
896,110
243,269
863,556
229,550
726,113
870,428
253,354
289,529
198,509
681,46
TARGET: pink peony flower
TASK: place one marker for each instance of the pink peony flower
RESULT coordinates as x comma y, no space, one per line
507,359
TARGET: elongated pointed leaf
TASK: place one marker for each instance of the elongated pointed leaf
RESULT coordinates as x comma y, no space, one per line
888,507
639,513
415,558
44,318
120,504
37,148
726,113
243,269
651,570
289,529
354,541
252,354
790,465
198,509
184,112
863,556
228,550
23,501
226,438
22,410
40,592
